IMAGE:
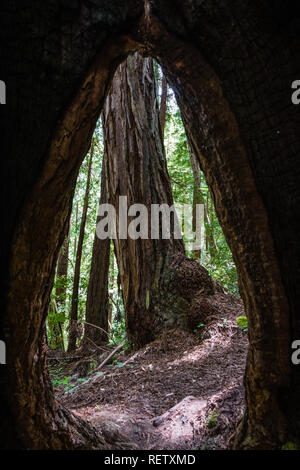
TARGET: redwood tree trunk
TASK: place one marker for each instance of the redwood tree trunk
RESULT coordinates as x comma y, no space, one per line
97,304
61,291
217,141
155,275
197,194
248,132
163,104
136,168
75,293
30,416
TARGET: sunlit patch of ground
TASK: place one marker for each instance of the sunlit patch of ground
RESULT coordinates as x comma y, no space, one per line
186,396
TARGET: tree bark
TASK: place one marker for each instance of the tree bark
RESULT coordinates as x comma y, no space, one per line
219,146
75,293
243,124
163,104
75,236
197,194
97,305
30,416
198,198
61,291
136,167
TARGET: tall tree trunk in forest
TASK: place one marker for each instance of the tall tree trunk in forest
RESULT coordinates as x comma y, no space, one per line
197,194
61,289
209,222
242,124
74,303
163,104
136,167
97,304
198,198
75,236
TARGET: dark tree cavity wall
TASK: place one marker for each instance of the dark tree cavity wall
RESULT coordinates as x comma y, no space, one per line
231,65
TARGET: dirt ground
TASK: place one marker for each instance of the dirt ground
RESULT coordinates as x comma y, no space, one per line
182,391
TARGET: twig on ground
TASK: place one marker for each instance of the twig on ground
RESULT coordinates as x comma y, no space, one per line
98,327
109,356
98,347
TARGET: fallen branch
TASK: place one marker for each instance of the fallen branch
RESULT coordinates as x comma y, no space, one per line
98,327
131,358
97,347
118,348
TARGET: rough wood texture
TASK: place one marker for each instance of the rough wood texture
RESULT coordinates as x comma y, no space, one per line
57,65
75,293
163,104
216,140
136,168
97,304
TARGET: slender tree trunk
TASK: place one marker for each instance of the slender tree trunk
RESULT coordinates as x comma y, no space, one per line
136,167
198,198
197,193
74,304
210,233
61,290
75,236
97,295
163,104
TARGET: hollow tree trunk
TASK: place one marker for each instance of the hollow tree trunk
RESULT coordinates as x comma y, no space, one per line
75,293
248,132
30,416
97,304
220,147
136,168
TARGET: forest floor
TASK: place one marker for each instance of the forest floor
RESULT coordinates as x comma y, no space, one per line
182,391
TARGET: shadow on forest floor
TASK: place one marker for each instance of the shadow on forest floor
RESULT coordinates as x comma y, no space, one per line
183,393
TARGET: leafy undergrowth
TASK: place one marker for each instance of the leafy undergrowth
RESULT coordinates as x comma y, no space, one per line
182,391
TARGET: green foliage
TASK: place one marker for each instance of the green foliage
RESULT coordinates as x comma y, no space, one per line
55,317
290,446
221,267
242,323
119,364
198,327
178,157
217,260
118,332
118,328
212,419
57,377
60,305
